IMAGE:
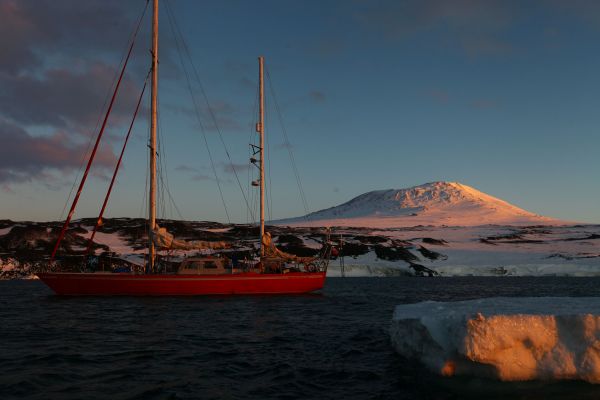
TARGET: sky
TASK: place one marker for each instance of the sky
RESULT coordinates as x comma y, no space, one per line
498,95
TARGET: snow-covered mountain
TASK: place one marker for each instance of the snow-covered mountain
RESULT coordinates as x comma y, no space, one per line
436,203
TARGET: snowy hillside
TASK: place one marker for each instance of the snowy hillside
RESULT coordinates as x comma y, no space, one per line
490,250
436,203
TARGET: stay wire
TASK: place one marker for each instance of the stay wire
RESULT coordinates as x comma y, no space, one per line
160,151
197,112
144,204
251,142
163,174
96,144
109,90
173,22
268,156
287,143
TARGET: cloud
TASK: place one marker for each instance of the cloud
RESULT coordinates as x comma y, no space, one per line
224,113
202,177
65,98
484,104
327,46
102,175
6,188
475,26
227,168
585,10
478,46
438,95
25,157
185,168
197,175
205,177
247,83
230,168
285,146
59,61
317,96
30,30
220,114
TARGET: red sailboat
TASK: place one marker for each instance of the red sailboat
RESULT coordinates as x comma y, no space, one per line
275,272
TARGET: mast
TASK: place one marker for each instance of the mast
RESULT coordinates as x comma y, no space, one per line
153,149
261,132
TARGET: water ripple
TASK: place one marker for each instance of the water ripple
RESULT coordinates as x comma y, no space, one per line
328,346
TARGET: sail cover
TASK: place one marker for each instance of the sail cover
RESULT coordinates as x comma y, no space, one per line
272,251
165,241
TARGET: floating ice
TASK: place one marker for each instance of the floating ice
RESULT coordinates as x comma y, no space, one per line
512,339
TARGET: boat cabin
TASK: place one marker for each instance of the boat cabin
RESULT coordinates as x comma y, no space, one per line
275,265
206,266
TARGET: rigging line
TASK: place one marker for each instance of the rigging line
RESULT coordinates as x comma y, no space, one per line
112,181
164,175
288,144
173,22
158,152
165,171
268,155
143,210
164,178
144,204
252,140
84,155
161,162
93,154
198,116
160,180
174,204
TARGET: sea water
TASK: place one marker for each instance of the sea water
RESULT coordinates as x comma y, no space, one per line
331,345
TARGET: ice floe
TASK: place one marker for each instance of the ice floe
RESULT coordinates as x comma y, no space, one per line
511,339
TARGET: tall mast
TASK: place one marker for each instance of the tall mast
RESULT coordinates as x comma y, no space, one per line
153,149
261,131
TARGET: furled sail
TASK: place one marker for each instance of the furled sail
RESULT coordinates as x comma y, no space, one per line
165,241
272,251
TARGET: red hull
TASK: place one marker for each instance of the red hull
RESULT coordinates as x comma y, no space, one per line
181,285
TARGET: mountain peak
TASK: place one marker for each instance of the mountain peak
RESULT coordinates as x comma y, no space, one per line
433,203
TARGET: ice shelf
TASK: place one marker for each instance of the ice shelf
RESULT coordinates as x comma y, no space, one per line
512,339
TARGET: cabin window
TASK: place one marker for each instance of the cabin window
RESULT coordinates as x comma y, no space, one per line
195,265
210,265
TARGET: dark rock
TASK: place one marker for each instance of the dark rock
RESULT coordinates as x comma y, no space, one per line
432,255
395,254
589,237
438,242
421,270
367,239
510,236
351,249
289,239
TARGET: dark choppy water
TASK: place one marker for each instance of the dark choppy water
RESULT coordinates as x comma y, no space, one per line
328,346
